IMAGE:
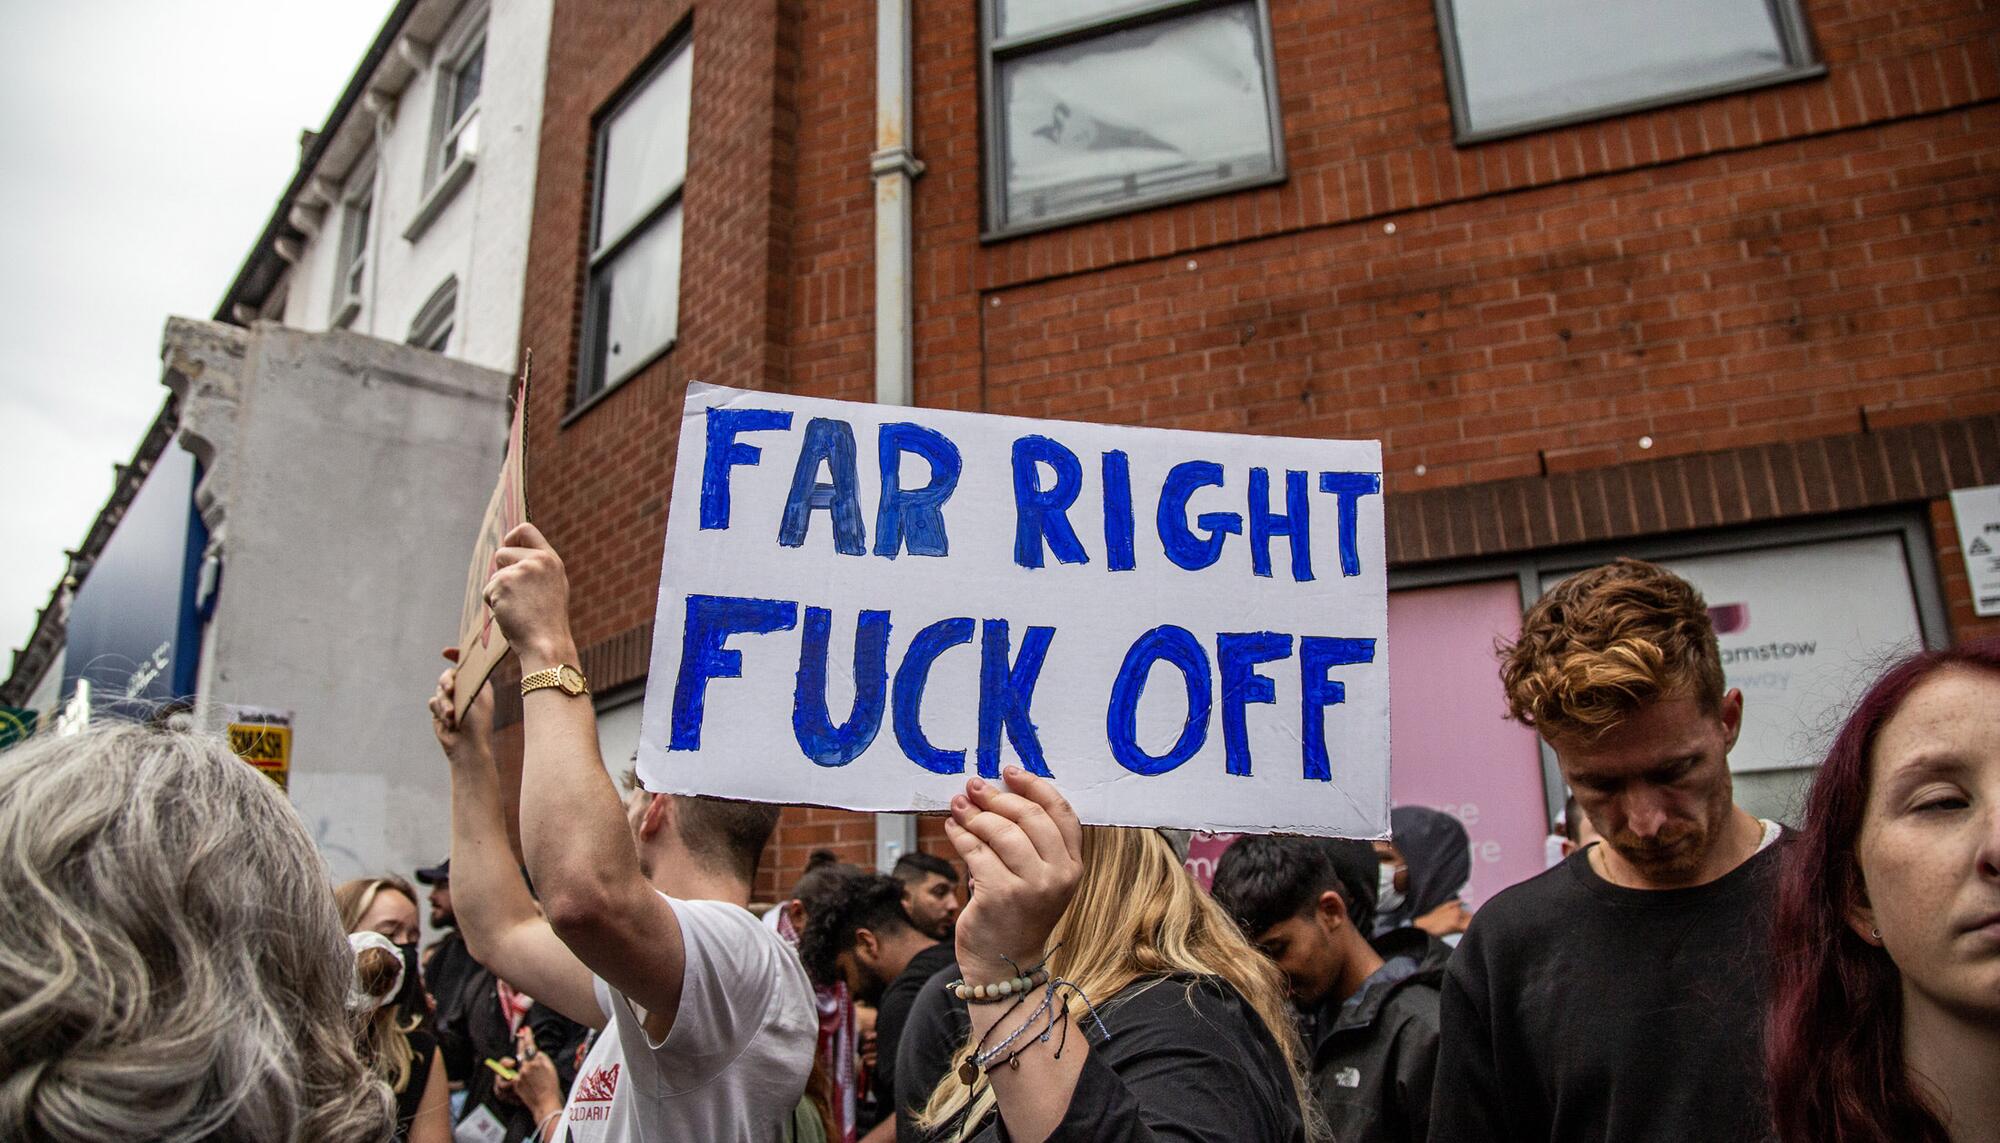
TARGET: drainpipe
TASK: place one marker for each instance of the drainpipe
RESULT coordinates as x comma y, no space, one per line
895,168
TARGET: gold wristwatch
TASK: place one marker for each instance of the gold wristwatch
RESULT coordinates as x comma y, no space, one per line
565,678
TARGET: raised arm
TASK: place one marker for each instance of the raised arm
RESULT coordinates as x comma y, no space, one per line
503,929
1024,848
574,834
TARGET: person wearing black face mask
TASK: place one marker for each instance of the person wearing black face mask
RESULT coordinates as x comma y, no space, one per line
388,994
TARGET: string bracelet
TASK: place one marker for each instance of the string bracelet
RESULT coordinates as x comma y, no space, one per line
981,1059
1102,1031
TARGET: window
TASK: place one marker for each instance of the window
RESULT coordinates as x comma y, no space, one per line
1096,107
457,132
357,215
454,140
432,329
632,302
1521,65
1798,658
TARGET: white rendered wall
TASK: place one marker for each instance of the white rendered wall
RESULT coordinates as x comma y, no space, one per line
350,477
480,236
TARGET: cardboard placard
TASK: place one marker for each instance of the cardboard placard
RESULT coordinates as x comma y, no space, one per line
862,605
262,737
481,646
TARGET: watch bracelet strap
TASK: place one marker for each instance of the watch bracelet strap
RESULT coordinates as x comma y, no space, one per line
548,677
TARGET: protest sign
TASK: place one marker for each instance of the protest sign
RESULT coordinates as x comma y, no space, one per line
262,737
862,605
481,646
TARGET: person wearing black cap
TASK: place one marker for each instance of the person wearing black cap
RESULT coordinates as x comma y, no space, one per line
447,964
458,984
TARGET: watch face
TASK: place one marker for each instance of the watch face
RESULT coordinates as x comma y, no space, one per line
570,679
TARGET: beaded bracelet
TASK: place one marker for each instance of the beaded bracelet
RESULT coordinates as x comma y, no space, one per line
1000,990
1023,980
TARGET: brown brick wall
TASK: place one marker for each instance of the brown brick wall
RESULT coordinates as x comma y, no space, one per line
599,483
1808,261
1551,329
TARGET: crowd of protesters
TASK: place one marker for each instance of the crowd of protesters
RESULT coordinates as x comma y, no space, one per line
175,965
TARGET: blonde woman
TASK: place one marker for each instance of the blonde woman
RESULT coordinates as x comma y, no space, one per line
171,966
1191,1035
391,1007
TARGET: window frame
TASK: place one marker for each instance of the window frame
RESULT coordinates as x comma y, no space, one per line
437,319
600,254
994,50
444,179
1908,523
445,131
1801,51
352,249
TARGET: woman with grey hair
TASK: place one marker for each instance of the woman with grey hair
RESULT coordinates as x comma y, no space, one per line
171,965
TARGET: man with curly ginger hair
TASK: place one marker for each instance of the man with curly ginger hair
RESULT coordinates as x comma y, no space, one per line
1620,994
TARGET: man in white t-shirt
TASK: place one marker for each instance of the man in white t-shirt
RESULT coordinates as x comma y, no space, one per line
707,1016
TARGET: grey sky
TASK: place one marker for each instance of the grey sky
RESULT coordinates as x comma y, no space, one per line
145,144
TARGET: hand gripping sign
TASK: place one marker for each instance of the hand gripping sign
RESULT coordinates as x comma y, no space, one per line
862,605
481,646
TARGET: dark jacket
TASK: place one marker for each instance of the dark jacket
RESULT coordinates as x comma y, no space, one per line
450,974
1374,1053
474,1025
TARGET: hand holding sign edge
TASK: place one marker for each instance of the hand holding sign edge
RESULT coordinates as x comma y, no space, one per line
529,594
462,734
1023,846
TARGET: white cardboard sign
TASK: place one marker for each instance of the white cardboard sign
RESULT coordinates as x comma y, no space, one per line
863,605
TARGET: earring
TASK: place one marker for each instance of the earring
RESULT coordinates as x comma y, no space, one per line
1875,934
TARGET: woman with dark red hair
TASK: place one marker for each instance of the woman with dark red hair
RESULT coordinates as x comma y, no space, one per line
1885,1017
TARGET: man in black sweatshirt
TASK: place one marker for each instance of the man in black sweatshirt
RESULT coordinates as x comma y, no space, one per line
1369,1017
1621,994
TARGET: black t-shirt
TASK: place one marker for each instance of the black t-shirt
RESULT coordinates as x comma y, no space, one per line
893,1012
1576,1009
1187,1058
423,1049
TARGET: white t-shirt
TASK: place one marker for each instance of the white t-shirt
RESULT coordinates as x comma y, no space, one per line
734,1064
